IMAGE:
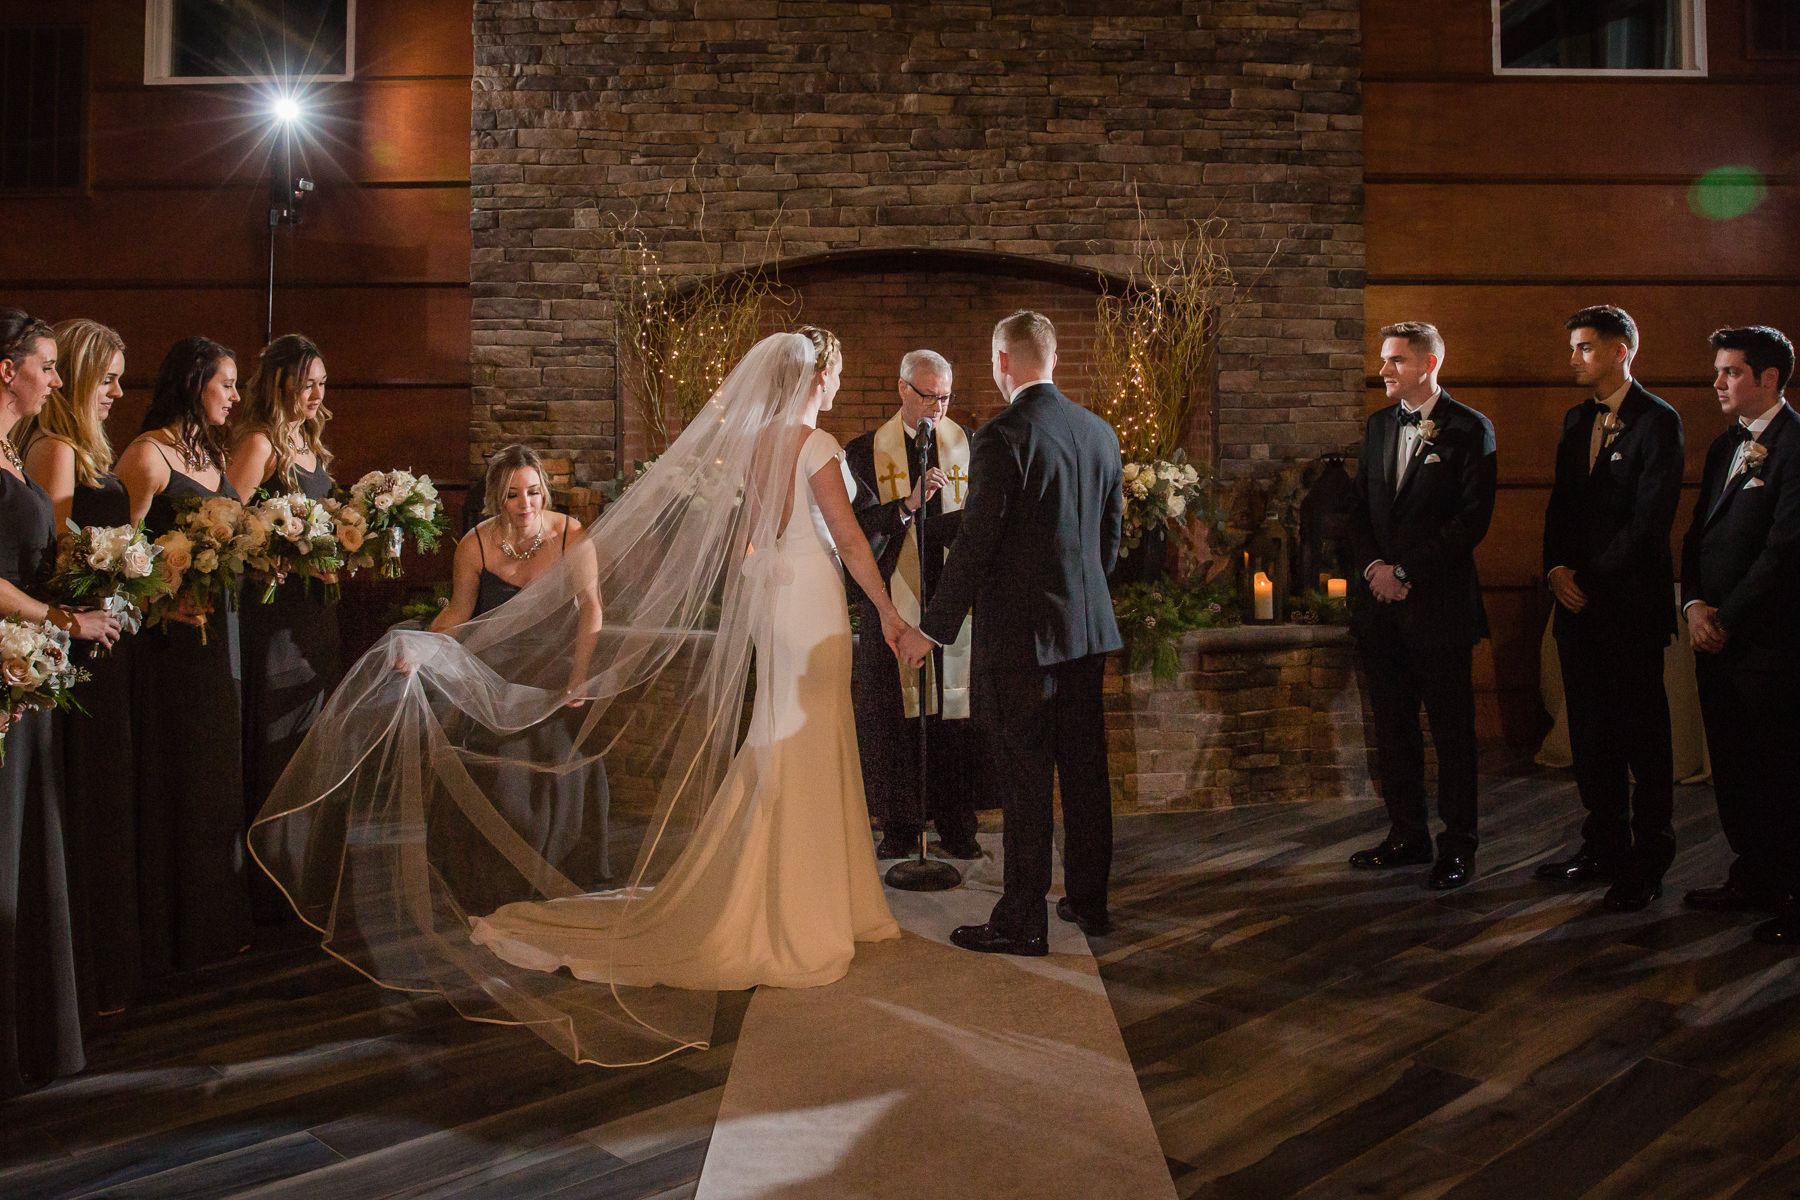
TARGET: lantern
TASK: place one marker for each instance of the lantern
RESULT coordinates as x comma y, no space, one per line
1325,530
1266,574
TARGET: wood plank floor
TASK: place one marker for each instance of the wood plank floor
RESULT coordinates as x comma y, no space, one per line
1299,1029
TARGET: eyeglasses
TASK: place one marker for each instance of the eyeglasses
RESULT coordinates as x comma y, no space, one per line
946,399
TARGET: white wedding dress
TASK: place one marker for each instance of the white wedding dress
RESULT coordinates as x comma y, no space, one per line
779,880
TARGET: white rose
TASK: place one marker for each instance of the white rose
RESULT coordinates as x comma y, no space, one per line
383,501
16,641
1131,471
137,561
422,512
206,560
1177,505
426,488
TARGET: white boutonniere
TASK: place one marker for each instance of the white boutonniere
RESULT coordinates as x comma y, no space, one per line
1755,455
1428,431
1612,427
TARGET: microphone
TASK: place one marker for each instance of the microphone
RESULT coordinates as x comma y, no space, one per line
924,432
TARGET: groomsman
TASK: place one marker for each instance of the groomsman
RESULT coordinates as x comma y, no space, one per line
1607,562
1424,495
1740,585
887,695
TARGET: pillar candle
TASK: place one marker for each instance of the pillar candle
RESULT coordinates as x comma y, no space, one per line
1265,597
1337,589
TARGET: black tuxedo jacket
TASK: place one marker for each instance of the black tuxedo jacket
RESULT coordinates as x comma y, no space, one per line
1610,525
1428,526
1039,533
885,525
1742,551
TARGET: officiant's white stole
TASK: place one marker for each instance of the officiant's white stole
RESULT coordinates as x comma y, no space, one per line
893,476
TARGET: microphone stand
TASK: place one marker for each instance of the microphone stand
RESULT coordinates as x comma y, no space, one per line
923,874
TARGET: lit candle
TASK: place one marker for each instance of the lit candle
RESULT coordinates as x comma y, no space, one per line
1337,589
1265,597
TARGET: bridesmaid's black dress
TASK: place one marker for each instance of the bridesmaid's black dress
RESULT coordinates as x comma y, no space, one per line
290,669
193,882
40,1017
102,799
562,816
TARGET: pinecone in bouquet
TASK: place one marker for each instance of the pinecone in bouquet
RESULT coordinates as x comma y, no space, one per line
35,669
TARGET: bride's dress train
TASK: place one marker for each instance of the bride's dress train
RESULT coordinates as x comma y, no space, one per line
779,880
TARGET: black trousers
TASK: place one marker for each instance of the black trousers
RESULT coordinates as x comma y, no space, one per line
1404,674
1753,732
1619,732
1046,723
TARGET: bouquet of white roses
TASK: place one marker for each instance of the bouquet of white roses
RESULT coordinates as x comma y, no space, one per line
203,556
385,508
35,669
1158,493
302,536
113,566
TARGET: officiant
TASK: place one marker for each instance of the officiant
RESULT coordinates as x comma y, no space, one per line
889,494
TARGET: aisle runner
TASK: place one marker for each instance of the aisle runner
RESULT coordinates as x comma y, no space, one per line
931,1071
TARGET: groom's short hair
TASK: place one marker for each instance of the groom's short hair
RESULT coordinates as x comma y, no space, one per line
1027,335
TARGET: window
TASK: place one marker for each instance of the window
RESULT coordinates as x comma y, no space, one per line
249,41
1593,37
43,85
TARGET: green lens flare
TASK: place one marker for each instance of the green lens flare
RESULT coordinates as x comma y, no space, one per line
1726,192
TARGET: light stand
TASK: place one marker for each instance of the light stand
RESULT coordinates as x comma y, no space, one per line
922,874
286,192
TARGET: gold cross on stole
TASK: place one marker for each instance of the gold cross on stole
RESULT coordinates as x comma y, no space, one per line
958,477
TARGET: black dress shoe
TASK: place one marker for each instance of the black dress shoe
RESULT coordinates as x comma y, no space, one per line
1729,898
985,939
964,850
898,846
1585,867
1391,854
1450,871
1783,931
1632,895
1098,926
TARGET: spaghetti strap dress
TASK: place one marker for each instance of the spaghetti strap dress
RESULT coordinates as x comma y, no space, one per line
291,667
193,882
40,1017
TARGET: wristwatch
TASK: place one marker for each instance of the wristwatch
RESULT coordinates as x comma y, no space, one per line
1400,572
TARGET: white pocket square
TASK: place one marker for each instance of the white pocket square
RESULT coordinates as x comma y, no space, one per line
1753,481
1431,458
1617,457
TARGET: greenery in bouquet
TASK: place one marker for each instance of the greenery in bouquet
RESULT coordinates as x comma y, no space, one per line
1159,493
112,567
203,557
382,510
35,669
302,536
1153,616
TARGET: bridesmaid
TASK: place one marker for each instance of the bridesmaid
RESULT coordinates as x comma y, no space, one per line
561,814
290,645
40,1019
67,453
193,891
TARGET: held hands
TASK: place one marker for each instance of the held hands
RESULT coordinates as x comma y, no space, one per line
1562,586
930,485
1387,589
1704,629
913,647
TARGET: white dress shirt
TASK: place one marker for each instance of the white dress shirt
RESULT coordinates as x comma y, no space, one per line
1016,391
1737,462
1598,435
1410,435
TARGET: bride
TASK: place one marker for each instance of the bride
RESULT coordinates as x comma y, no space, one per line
753,859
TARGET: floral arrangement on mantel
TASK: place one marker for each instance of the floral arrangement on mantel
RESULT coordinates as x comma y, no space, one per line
1159,493
1153,616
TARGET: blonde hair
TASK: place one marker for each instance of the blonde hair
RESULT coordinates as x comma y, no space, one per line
1029,335
272,406
84,351
500,470
828,352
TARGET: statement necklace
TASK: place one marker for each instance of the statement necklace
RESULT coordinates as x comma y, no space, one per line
522,555
12,455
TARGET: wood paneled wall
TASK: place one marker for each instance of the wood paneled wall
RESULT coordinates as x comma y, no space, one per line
169,235
1498,206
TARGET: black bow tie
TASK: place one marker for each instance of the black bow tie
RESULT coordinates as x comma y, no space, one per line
1411,418
1592,406
1741,433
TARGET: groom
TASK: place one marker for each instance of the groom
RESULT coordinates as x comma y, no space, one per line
1039,533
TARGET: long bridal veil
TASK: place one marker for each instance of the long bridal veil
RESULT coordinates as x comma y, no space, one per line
423,796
